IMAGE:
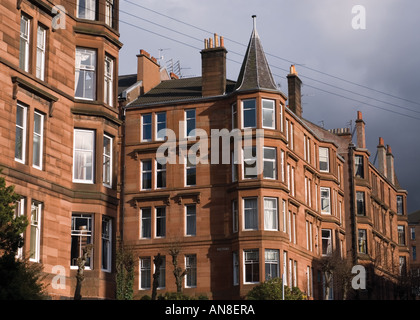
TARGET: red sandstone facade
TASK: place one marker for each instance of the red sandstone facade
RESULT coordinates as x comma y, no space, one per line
60,133
234,231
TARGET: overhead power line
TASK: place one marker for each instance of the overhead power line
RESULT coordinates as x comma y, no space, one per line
275,56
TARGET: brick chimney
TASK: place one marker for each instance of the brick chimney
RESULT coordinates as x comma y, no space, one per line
213,67
294,87
382,165
360,131
148,71
390,164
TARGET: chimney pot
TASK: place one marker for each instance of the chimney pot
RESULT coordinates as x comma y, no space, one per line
222,42
216,40
381,142
359,115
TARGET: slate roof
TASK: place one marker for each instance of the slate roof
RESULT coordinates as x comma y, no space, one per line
255,72
175,90
126,81
414,217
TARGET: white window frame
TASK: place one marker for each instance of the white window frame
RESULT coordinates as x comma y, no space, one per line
190,216
158,124
188,118
161,217
92,132
325,198
243,109
292,140
25,24
90,10
161,170
109,81
40,52
39,135
249,156
107,240
146,126
80,71
23,128
107,158
251,262
189,166
329,244
272,262
109,13
35,225
148,172
142,223
271,108
20,211
191,277
324,158
88,234
273,225
147,270
245,212
162,274
273,161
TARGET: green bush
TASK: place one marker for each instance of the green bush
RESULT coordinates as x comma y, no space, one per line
272,290
174,296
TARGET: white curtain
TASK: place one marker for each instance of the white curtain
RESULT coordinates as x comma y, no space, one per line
270,214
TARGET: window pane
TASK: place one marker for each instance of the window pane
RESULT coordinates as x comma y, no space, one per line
323,159
146,223
251,213
160,222
270,214
20,142
37,140
83,155
86,9
249,113
147,127
190,121
107,161
268,114
191,220
160,125
81,235
160,175
85,79
146,174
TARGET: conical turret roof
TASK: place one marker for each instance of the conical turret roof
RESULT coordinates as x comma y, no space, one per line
255,72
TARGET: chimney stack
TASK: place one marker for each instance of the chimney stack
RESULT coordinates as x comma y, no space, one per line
390,164
382,163
148,71
294,87
213,67
360,131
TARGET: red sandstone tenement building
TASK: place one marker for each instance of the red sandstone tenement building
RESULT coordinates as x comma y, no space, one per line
317,194
63,144
59,134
